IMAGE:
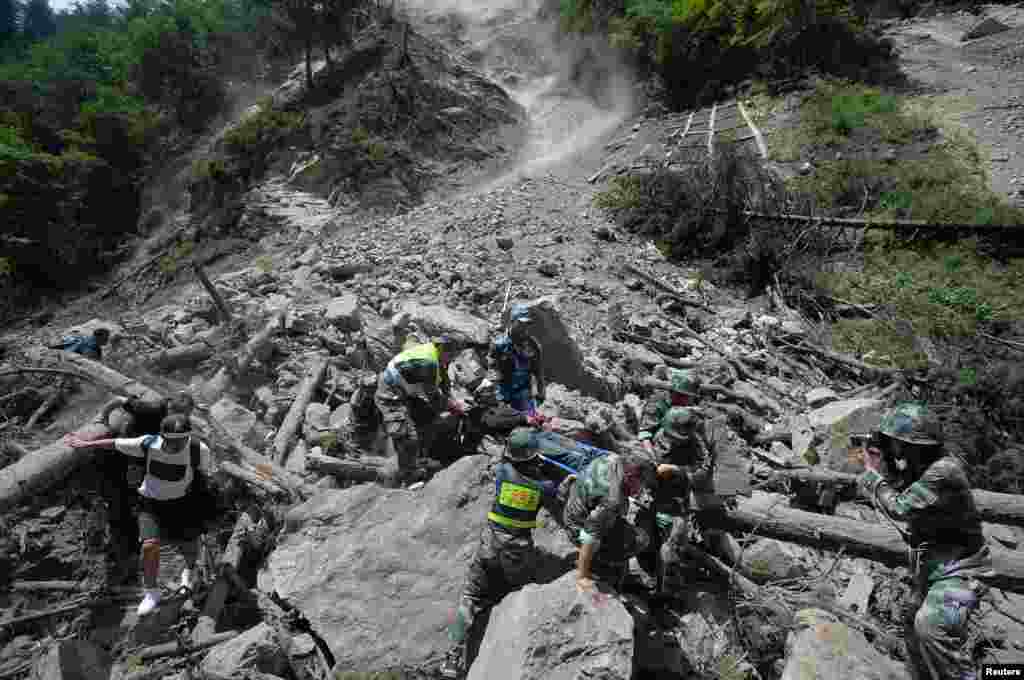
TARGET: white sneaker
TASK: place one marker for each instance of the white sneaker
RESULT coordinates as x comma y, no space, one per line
188,579
149,602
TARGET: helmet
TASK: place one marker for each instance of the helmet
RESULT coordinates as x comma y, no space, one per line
680,424
176,426
519,313
519,449
684,382
912,422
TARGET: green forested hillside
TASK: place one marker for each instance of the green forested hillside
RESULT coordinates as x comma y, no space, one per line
86,97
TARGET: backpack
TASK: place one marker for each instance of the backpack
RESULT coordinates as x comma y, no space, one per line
202,500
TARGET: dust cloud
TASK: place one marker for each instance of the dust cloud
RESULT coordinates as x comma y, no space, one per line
574,88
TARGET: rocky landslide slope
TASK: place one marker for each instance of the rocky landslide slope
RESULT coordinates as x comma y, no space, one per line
328,292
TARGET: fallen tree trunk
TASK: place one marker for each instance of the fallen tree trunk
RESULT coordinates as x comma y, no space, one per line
176,649
185,355
286,434
51,400
93,371
906,225
365,469
997,508
218,299
263,466
259,346
247,538
46,466
878,542
665,288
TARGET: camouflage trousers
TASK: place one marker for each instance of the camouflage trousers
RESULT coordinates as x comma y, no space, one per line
938,632
410,436
503,563
948,593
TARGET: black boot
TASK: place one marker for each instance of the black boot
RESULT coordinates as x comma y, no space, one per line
453,666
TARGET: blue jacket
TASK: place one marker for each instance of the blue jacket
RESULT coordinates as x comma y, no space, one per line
85,345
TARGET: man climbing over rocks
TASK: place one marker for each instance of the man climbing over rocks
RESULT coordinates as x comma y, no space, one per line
121,478
174,497
595,517
685,468
517,360
505,559
684,390
947,547
89,346
412,391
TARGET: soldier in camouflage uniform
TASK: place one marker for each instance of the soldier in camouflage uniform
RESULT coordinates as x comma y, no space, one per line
505,558
947,548
685,487
596,505
684,390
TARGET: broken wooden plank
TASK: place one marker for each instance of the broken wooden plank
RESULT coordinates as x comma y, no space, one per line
364,469
858,592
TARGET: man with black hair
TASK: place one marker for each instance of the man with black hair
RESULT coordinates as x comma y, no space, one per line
947,548
173,496
122,475
505,559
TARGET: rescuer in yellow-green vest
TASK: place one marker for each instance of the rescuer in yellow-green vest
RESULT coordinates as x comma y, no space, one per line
412,391
505,559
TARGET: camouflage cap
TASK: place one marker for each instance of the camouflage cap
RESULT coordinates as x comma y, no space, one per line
684,382
519,448
912,422
680,423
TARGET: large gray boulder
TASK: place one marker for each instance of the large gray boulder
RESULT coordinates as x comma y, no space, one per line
256,649
563,360
378,571
822,648
73,660
834,423
553,632
431,320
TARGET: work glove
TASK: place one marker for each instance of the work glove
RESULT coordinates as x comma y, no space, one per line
663,519
457,407
536,420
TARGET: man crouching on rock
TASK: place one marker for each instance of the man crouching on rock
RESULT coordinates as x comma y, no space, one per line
505,560
172,493
412,391
595,515
947,548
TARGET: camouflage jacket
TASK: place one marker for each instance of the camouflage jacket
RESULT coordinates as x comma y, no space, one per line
654,411
597,500
943,521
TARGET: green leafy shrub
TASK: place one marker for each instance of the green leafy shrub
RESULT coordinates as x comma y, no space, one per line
622,194
261,129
